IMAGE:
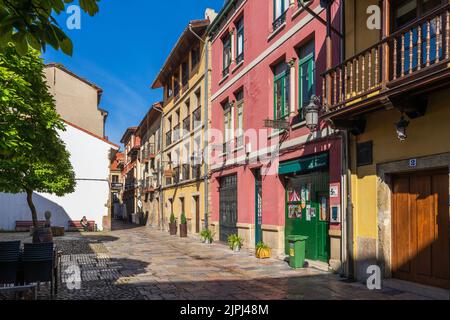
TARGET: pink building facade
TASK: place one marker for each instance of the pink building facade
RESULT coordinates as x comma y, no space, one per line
270,176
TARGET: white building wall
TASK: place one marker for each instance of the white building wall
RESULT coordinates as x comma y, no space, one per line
89,158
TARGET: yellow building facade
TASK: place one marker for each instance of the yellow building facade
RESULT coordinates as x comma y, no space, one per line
185,98
392,95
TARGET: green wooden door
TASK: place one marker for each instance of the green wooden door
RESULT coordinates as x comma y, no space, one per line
307,213
258,206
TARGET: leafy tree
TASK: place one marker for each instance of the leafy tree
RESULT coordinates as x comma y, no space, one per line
32,155
30,23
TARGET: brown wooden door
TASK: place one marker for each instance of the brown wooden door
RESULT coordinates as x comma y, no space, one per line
420,228
197,214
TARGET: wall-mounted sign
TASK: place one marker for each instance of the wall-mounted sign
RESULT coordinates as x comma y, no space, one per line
116,186
412,163
334,192
335,214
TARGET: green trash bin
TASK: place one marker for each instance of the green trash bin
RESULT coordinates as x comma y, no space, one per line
297,247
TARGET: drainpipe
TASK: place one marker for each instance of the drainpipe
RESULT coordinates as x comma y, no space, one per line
205,130
160,175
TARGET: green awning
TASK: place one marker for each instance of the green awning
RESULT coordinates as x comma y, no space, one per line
304,164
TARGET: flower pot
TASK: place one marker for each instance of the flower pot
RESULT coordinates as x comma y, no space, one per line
263,253
173,229
42,235
236,247
183,230
208,241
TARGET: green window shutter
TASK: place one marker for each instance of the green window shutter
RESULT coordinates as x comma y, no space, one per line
306,80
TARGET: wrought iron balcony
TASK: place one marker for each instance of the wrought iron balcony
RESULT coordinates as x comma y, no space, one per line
226,71
406,61
148,152
176,133
187,124
278,22
186,172
197,117
168,138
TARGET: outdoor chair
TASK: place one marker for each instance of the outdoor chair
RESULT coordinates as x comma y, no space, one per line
9,262
39,262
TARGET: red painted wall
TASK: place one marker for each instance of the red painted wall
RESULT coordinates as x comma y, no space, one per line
258,97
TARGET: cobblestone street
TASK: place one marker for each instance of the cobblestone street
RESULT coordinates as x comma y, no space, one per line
144,263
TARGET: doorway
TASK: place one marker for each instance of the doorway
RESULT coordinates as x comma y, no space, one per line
420,222
258,206
197,213
228,207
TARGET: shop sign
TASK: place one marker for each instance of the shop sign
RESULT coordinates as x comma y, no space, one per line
334,192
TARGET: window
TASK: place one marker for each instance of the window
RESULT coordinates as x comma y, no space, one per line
184,74
228,121
176,86
279,12
281,91
406,11
195,57
240,41
240,117
306,75
115,179
169,91
226,55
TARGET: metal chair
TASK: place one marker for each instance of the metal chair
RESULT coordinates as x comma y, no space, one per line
38,261
9,262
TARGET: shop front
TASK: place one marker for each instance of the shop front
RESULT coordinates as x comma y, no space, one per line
307,203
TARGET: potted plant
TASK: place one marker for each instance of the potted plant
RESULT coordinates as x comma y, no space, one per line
183,226
173,225
235,242
207,236
263,251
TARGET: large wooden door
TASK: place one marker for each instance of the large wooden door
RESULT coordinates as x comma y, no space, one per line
420,229
197,214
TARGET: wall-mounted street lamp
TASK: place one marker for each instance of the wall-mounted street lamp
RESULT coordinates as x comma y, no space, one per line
311,113
401,127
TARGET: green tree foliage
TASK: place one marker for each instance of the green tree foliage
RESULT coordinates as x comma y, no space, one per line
30,23
32,155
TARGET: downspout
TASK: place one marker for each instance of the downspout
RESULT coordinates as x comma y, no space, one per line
160,175
205,132
348,226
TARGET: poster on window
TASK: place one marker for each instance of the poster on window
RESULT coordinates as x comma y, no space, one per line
294,211
324,208
293,196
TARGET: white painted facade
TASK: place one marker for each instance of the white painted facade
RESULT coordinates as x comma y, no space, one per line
89,158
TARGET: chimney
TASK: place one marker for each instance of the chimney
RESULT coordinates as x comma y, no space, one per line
210,14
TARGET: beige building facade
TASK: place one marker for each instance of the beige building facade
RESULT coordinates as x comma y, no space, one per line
76,99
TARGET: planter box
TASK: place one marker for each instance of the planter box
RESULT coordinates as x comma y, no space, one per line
183,230
173,229
58,231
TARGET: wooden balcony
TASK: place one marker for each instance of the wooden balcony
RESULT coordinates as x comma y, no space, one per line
409,63
148,153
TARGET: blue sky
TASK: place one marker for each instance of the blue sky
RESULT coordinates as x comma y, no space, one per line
122,49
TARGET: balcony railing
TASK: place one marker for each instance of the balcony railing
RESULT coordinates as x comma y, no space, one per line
397,58
168,138
226,71
186,172
148,152
176,133
187,124
197,117
279,21
176,175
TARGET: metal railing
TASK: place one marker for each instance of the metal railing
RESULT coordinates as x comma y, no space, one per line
278,22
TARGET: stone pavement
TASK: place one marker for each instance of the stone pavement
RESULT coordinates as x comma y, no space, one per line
143,263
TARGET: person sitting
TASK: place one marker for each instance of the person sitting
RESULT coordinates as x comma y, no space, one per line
85,224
